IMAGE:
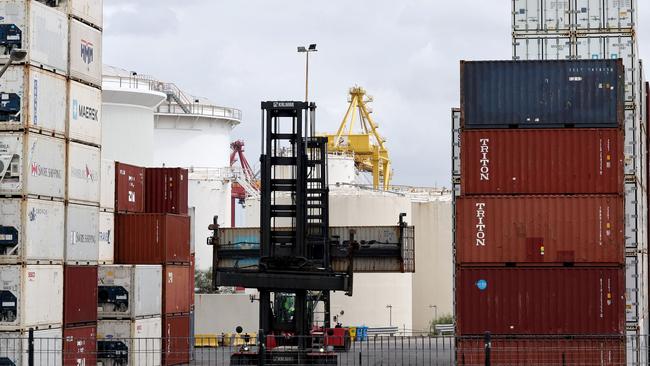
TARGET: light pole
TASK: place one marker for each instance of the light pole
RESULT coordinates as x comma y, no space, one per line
390,314
435,312
14,56
307,51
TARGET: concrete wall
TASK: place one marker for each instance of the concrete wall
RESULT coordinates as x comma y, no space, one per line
216,313
433,278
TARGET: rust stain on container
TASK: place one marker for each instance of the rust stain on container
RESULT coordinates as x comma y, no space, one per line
176,340
540,230
166,190
129,188
152,239
176,295
79,295
545,161
80,346
540,301
603,351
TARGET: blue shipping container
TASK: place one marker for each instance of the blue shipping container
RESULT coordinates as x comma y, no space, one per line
542,94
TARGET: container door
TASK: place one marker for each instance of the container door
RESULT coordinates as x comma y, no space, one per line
589,15
557,48
528,48
623,47
526,16
147,290
556,15
620,14
631,214
590,48
107,185
146,351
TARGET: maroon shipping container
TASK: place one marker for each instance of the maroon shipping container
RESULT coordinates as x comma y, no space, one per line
544,161
176,340
80,346
540,230
79,295
152,239
540,301
166,190
175,292
129,188
543,351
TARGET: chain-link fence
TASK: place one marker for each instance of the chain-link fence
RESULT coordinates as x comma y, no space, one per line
325,350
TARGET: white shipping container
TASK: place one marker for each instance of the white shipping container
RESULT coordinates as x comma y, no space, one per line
556,15
32,296
526,16
140,337
624,47
31,231
107,185
631,216
84,116
90,11
589,15
455,142
106,236
620,15
81,234
32,165
85,53
631,133
631,290
31,98
588,48
542,48
129,291
48,347
37,28
84,164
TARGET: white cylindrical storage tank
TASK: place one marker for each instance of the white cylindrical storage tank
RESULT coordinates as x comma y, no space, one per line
128,103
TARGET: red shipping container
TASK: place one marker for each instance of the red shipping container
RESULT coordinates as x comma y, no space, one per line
175,292
540,230
176,340
129,188
166,190
544,161
79,295
540,301
543,351
152,239
80,346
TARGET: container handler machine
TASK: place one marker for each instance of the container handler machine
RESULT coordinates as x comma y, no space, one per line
295,259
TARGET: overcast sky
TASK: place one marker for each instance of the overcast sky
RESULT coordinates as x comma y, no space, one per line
405,53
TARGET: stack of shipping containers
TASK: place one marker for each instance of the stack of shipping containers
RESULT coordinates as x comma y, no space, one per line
539,212
603,29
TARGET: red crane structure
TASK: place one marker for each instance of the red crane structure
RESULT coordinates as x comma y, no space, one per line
246,183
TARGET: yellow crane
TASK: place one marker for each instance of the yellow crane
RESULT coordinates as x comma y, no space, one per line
368,147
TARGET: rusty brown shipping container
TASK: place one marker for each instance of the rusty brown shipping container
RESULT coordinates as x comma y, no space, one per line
152,239
166,190
175,291
129,188
79,295
543,351
540,301
540,230
176,340
568,161
80,346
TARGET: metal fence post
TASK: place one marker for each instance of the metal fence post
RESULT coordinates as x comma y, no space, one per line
30,347
488,348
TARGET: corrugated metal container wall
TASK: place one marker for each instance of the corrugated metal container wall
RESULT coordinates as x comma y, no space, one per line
632,292
520,301
543,351
32,231
538,230
84,113
176,295
166,190
90,11
33,99
38,29
580,93
142,338
588,161
129,188
80,346
107,186
176,340
84,164
129,292
32,164
82,234
23,290
85,53
106,237
152,239
79,295
191,280
15,346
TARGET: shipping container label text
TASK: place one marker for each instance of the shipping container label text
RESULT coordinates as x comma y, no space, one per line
480,224
484,161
